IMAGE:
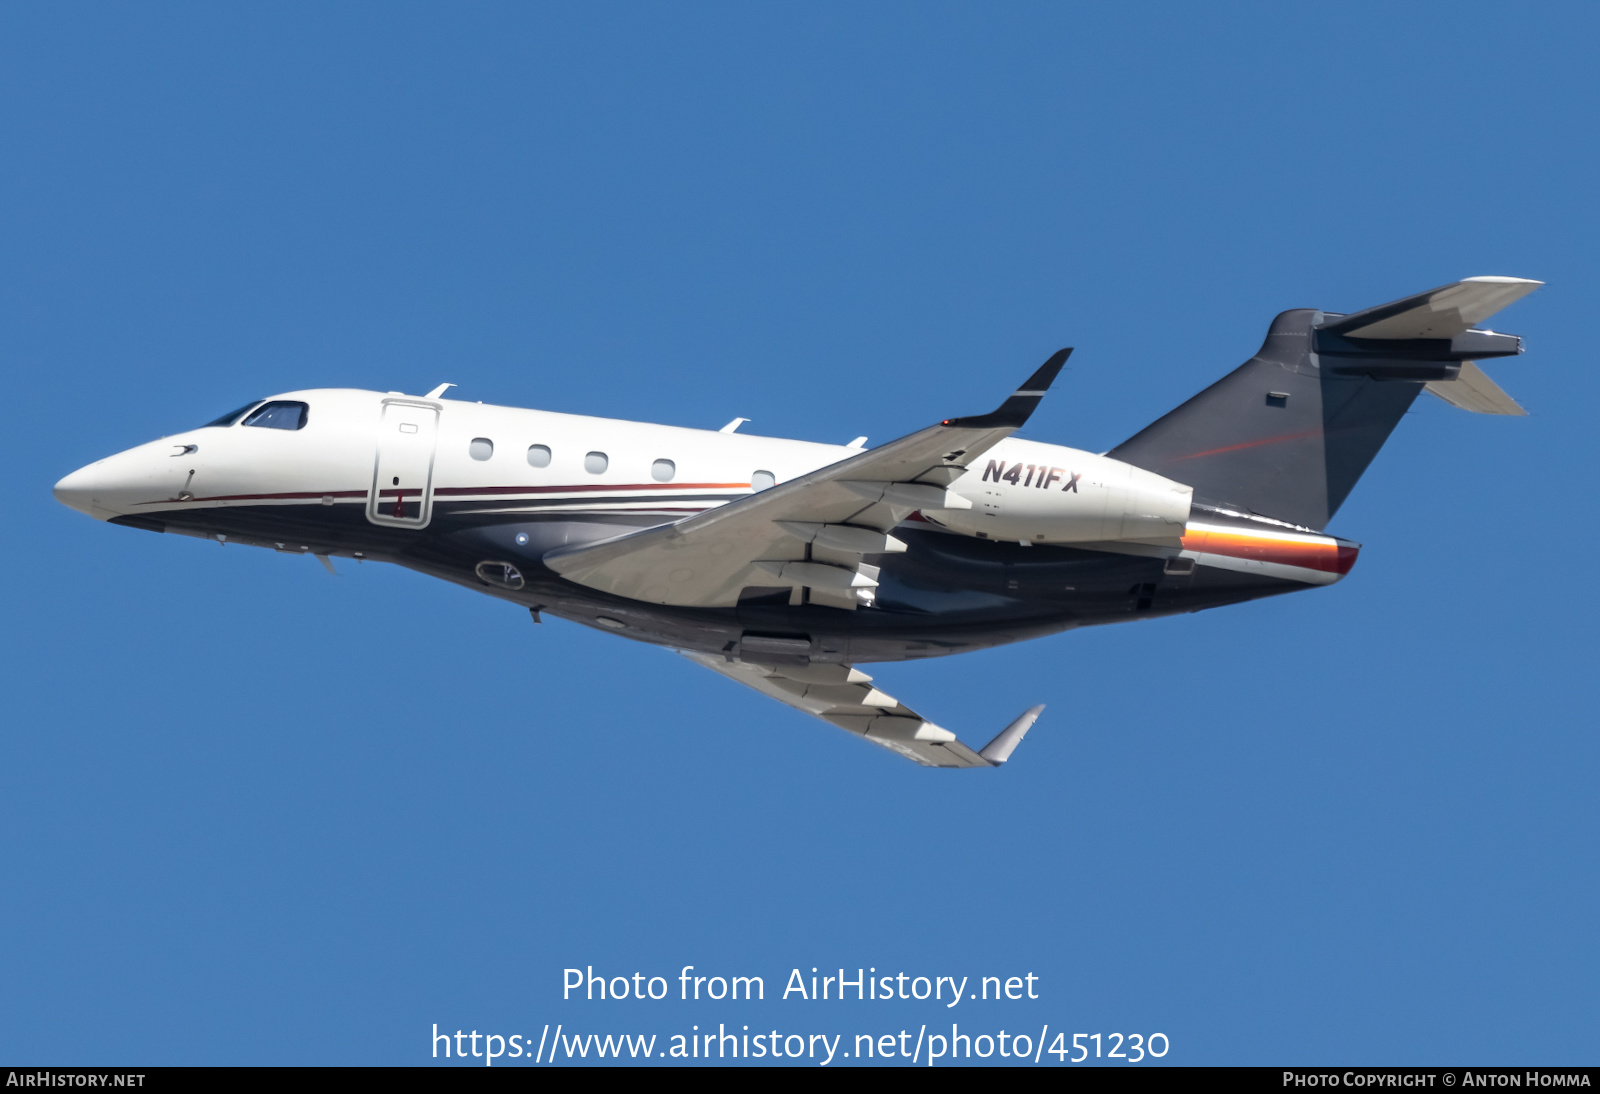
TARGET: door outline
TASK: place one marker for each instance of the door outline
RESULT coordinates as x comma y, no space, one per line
375,500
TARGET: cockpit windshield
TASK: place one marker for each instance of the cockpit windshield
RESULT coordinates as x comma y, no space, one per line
233,415
279,415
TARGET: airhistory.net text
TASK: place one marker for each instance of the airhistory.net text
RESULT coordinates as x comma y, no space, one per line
865,984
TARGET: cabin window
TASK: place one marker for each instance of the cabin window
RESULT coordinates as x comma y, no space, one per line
233,415
279,415
539,456
663,470
596,463
481,448
762,480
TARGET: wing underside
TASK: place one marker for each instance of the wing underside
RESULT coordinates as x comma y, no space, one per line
843,696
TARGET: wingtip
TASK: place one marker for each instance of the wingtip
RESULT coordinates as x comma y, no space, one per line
1495,279
999,750
1046,374
1016,410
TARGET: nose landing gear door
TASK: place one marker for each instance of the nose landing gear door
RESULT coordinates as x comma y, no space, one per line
402,477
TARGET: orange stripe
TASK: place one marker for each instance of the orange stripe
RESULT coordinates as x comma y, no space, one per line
1326,556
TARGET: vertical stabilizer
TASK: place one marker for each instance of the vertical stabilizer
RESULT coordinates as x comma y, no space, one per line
1288,433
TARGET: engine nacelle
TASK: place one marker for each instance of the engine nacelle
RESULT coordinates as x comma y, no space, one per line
1047,493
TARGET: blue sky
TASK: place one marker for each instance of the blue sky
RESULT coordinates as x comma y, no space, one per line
250,813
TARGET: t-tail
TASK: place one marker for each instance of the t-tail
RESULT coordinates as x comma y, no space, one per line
1286,435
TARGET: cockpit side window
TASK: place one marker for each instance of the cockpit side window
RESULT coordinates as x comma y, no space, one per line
279,415
234,415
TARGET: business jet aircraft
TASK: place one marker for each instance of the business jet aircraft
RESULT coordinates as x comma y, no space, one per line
785,564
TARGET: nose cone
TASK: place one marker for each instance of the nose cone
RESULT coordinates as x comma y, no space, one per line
124,483
133,483
81,489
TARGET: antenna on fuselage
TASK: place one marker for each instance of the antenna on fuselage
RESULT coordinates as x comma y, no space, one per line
438,391
733,426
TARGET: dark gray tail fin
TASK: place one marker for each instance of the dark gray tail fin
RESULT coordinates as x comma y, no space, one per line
1287,434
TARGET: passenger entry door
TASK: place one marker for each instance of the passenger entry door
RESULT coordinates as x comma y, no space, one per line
402,478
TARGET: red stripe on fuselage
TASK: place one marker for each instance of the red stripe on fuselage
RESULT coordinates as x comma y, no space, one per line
459,491
299,495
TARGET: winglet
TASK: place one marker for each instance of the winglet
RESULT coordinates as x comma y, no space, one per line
999,750
1016,410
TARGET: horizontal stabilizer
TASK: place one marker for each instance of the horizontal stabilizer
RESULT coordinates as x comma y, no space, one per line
1474,391
1438,313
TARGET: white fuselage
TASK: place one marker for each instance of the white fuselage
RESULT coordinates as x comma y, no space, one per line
1019,490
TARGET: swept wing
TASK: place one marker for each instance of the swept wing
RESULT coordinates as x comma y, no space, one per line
810,533
844,696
